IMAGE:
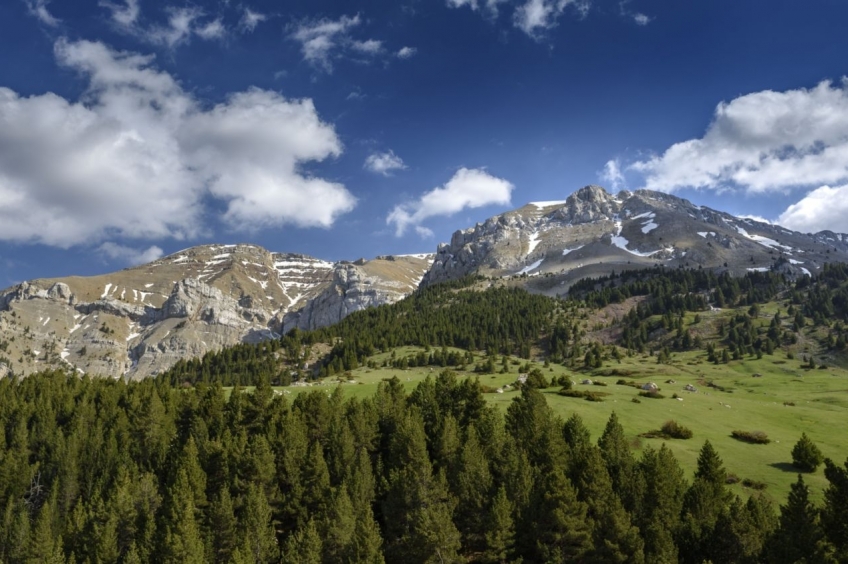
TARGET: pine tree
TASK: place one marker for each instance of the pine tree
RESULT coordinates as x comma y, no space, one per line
555,527
500,530
619,462
799,533
338,528
834,515
182,541
304,546
256,528
806,456
662,500
222,523
704,502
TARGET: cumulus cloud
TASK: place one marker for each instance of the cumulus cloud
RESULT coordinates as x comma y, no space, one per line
641,19
138,157
320,39
762,142
384,163
611,174
212,30
469,188
490,6
406,52
251,19
125,14
130,255
38,8
182,24
535,16
823,208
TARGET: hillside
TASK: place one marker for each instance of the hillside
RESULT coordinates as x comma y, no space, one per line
139,321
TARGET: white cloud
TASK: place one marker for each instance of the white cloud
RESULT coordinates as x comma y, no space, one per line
384,163
138,157
641,19
212,30
320,39
179,29
535,16
130,255
823,208
125,14
762,142
469,188
491,6
38,8
611,174
251,19
406,52
370,46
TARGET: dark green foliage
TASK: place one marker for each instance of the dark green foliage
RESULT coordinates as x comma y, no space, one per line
799,533
753,437
806,456
430,476
671,429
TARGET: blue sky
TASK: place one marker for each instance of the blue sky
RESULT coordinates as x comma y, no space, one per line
131,128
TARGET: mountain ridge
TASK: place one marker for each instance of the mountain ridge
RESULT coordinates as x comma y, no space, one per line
139,321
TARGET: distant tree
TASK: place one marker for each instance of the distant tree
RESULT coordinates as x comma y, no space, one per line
806,456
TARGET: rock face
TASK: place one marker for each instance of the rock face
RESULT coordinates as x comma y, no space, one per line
140,321
549,245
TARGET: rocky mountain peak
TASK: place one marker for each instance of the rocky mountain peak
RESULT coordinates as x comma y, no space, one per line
139,321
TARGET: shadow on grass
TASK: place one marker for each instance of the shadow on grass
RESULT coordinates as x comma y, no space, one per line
786,467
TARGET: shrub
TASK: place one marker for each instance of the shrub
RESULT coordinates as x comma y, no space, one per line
753,437
806,456
585,394
596,383
636,400
731,478
535,379
675,430
652,395
754,484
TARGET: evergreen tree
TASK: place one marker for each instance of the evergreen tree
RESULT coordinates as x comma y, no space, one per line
806,456
256,528
182,541
304,546
500,530
834,515
799,533
223,526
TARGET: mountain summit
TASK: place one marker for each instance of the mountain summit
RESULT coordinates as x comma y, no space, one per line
140,321
593,232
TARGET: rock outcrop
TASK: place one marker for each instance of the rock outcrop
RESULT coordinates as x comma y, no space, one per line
140,321
549,245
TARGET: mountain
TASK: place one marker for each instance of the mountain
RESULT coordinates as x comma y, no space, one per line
550,245
140,321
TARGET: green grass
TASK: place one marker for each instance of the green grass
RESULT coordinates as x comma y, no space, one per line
755,404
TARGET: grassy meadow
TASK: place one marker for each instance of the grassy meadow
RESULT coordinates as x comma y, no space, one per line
747,403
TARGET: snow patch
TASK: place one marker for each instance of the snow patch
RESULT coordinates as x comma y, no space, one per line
807,272
646,215
759,269
148,285
566,251
533,243
530,268
548,204
704,234
648,227
106,291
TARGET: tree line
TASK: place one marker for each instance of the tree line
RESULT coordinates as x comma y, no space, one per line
95,470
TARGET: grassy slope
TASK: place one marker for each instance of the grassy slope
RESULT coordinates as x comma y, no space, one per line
820,397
